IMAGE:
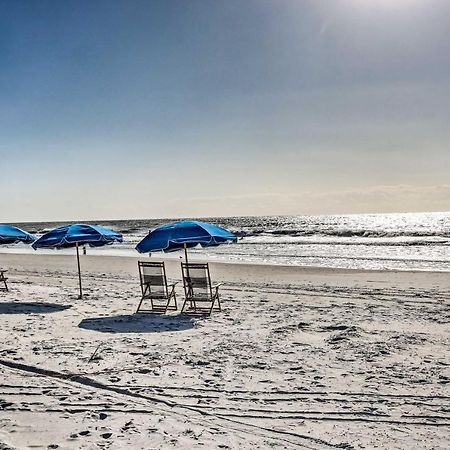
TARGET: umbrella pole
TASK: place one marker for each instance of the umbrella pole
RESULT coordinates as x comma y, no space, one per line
187,267
79,272
188,277
185,253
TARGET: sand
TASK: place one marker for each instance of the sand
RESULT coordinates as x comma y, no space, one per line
298,358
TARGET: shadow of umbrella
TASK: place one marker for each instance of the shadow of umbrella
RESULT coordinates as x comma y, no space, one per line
137,323
31,308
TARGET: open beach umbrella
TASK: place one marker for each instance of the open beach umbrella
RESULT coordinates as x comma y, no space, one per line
75,235
184,234
11,235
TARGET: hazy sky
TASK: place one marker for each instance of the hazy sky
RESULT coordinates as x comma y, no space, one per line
122,109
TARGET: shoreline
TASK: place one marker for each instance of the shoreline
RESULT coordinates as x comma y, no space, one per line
171,261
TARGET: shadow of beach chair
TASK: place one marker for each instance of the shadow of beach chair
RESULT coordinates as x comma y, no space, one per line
155,289
3,280
200,295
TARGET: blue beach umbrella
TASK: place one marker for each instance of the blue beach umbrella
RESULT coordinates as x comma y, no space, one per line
185,234
75,235
11,235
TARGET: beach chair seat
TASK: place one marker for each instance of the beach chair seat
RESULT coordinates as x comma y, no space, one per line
158,296
201,296
3,280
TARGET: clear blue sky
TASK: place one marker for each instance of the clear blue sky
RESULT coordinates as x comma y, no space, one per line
120,109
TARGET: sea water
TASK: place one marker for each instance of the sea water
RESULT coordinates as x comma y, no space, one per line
414,241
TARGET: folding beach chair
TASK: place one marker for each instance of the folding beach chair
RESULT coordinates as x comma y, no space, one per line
155,288
3,280
200,295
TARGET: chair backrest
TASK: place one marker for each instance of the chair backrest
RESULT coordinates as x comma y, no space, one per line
153,278
196,279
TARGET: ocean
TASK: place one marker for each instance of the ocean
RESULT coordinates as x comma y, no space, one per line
413,241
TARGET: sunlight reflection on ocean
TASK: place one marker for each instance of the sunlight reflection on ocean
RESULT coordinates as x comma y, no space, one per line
414,241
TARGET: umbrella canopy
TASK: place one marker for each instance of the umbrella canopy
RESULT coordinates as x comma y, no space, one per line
188,233
75,235
11,235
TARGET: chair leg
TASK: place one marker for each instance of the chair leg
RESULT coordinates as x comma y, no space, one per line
172,294
175,301
184,305
144,293
218,301
212,305
139,306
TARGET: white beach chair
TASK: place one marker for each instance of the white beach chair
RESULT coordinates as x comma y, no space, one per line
154,287
200,295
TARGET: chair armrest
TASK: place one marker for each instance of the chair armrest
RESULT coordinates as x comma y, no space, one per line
172,284
216,286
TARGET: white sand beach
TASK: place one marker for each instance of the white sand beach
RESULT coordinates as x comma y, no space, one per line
298,358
